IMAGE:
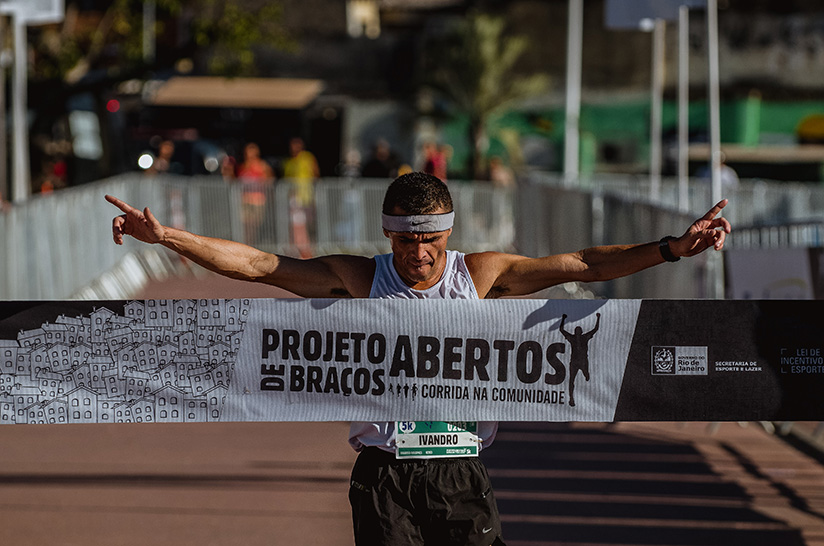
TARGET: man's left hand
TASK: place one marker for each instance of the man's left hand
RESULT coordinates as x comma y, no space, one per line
707,231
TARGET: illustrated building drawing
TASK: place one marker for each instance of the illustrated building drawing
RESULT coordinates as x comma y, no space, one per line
162,361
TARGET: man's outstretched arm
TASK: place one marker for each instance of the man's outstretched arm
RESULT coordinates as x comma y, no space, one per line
323,277
497,274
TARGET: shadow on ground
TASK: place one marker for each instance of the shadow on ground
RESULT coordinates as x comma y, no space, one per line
593,485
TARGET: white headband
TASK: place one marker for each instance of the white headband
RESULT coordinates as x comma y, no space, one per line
418,223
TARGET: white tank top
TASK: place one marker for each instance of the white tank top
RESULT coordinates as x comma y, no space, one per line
455,283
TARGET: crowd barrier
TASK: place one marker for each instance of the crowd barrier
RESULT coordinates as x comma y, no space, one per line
58,246
754,202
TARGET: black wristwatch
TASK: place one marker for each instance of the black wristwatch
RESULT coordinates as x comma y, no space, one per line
666,251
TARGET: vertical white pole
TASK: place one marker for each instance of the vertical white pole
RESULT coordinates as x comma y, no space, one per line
21,187
714,100
658,45
575,33
5,192
683,107
716,275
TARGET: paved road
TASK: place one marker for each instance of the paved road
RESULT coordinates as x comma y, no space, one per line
286,483
192,484
654,484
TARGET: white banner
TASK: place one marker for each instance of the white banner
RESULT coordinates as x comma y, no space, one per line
396,360
401,360
317,360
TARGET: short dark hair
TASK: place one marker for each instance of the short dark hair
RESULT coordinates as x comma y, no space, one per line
417,193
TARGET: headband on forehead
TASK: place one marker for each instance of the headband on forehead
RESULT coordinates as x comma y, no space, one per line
418,223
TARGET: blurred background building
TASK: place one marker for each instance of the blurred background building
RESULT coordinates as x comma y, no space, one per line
115,78
159,100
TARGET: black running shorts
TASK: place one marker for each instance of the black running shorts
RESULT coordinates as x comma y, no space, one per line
435,502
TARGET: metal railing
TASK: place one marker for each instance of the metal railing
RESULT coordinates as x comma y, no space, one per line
59,246
789,235
753,202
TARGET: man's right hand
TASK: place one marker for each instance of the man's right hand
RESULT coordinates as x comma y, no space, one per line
142,225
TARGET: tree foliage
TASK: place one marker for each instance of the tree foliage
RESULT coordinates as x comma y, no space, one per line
225,32
233,31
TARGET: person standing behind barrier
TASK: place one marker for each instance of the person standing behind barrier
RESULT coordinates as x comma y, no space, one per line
383,163
435,159
163,163
412,501
500,175
500,225
301,169
255,177
729,178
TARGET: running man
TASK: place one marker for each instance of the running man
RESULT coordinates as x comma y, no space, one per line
407,501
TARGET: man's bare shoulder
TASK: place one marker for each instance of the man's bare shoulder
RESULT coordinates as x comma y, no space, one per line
486,269
484,260
498,274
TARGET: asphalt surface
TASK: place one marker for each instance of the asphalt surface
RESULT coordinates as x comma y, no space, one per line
286,483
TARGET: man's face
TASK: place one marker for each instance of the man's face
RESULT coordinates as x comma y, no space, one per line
419,258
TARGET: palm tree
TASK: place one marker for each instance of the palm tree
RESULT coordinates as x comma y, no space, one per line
473,67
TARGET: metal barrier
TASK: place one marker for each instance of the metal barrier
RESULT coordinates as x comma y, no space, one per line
58,246
790,235
753,202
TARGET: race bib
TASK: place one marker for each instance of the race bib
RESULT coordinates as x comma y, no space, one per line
434,439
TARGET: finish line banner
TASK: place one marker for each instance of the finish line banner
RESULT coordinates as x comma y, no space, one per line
401,360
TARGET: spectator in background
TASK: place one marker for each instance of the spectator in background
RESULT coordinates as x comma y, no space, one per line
60,171
163,162
347,228
729,178
435,159
350,167
254,175
445,151
500,175
301,169
227,169
53,175
253,167
496,215
383,163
